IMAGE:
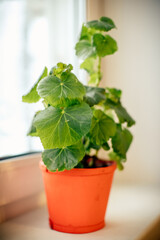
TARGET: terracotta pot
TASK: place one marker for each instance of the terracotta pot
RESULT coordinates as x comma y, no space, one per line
77,198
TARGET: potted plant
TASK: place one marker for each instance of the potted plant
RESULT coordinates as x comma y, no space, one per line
76,122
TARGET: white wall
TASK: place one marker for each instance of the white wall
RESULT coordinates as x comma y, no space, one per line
135,69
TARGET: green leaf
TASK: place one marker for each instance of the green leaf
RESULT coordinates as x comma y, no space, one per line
84,49
63,158
113,156
61,68
32,130
88,65
121,141
105,45
94,95
121,112
94,79
88,145
114,94
124,116
102,128
105,146
33,96
84,35
103,24
59,128
61,92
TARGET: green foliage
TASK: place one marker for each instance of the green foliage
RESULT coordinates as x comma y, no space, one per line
102,128
59,128
33,96
121,141
103,24
63,158
107,129
94,44
113,102
113,156
94,95
32,130
84,49
88,65
61,91
78,119
104,45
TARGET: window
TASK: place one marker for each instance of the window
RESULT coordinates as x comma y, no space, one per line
33,34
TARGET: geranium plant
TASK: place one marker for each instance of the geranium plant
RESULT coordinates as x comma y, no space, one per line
77,120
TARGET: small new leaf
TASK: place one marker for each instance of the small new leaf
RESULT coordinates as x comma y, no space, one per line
102,128
61,68
105,45
63,158
33,96
59,128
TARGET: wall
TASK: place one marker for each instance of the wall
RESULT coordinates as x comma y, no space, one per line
135,69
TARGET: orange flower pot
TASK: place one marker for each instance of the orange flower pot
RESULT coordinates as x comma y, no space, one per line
77,198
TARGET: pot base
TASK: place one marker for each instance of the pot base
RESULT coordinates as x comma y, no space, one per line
72,229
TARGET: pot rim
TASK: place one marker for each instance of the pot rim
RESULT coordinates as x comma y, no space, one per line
82,171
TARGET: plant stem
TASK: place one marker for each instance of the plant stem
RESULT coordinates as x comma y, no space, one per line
99,71
96,153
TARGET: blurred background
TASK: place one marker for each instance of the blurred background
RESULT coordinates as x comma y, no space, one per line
33,34
38,33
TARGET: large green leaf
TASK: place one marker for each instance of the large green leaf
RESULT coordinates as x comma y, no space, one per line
103,24
121,141
33,96
59,128
105,45
102,128
94,95
84,49
61,92
63,158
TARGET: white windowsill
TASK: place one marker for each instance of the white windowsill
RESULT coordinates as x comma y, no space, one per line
21,186
131,210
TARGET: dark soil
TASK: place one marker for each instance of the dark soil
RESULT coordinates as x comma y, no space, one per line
92,162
